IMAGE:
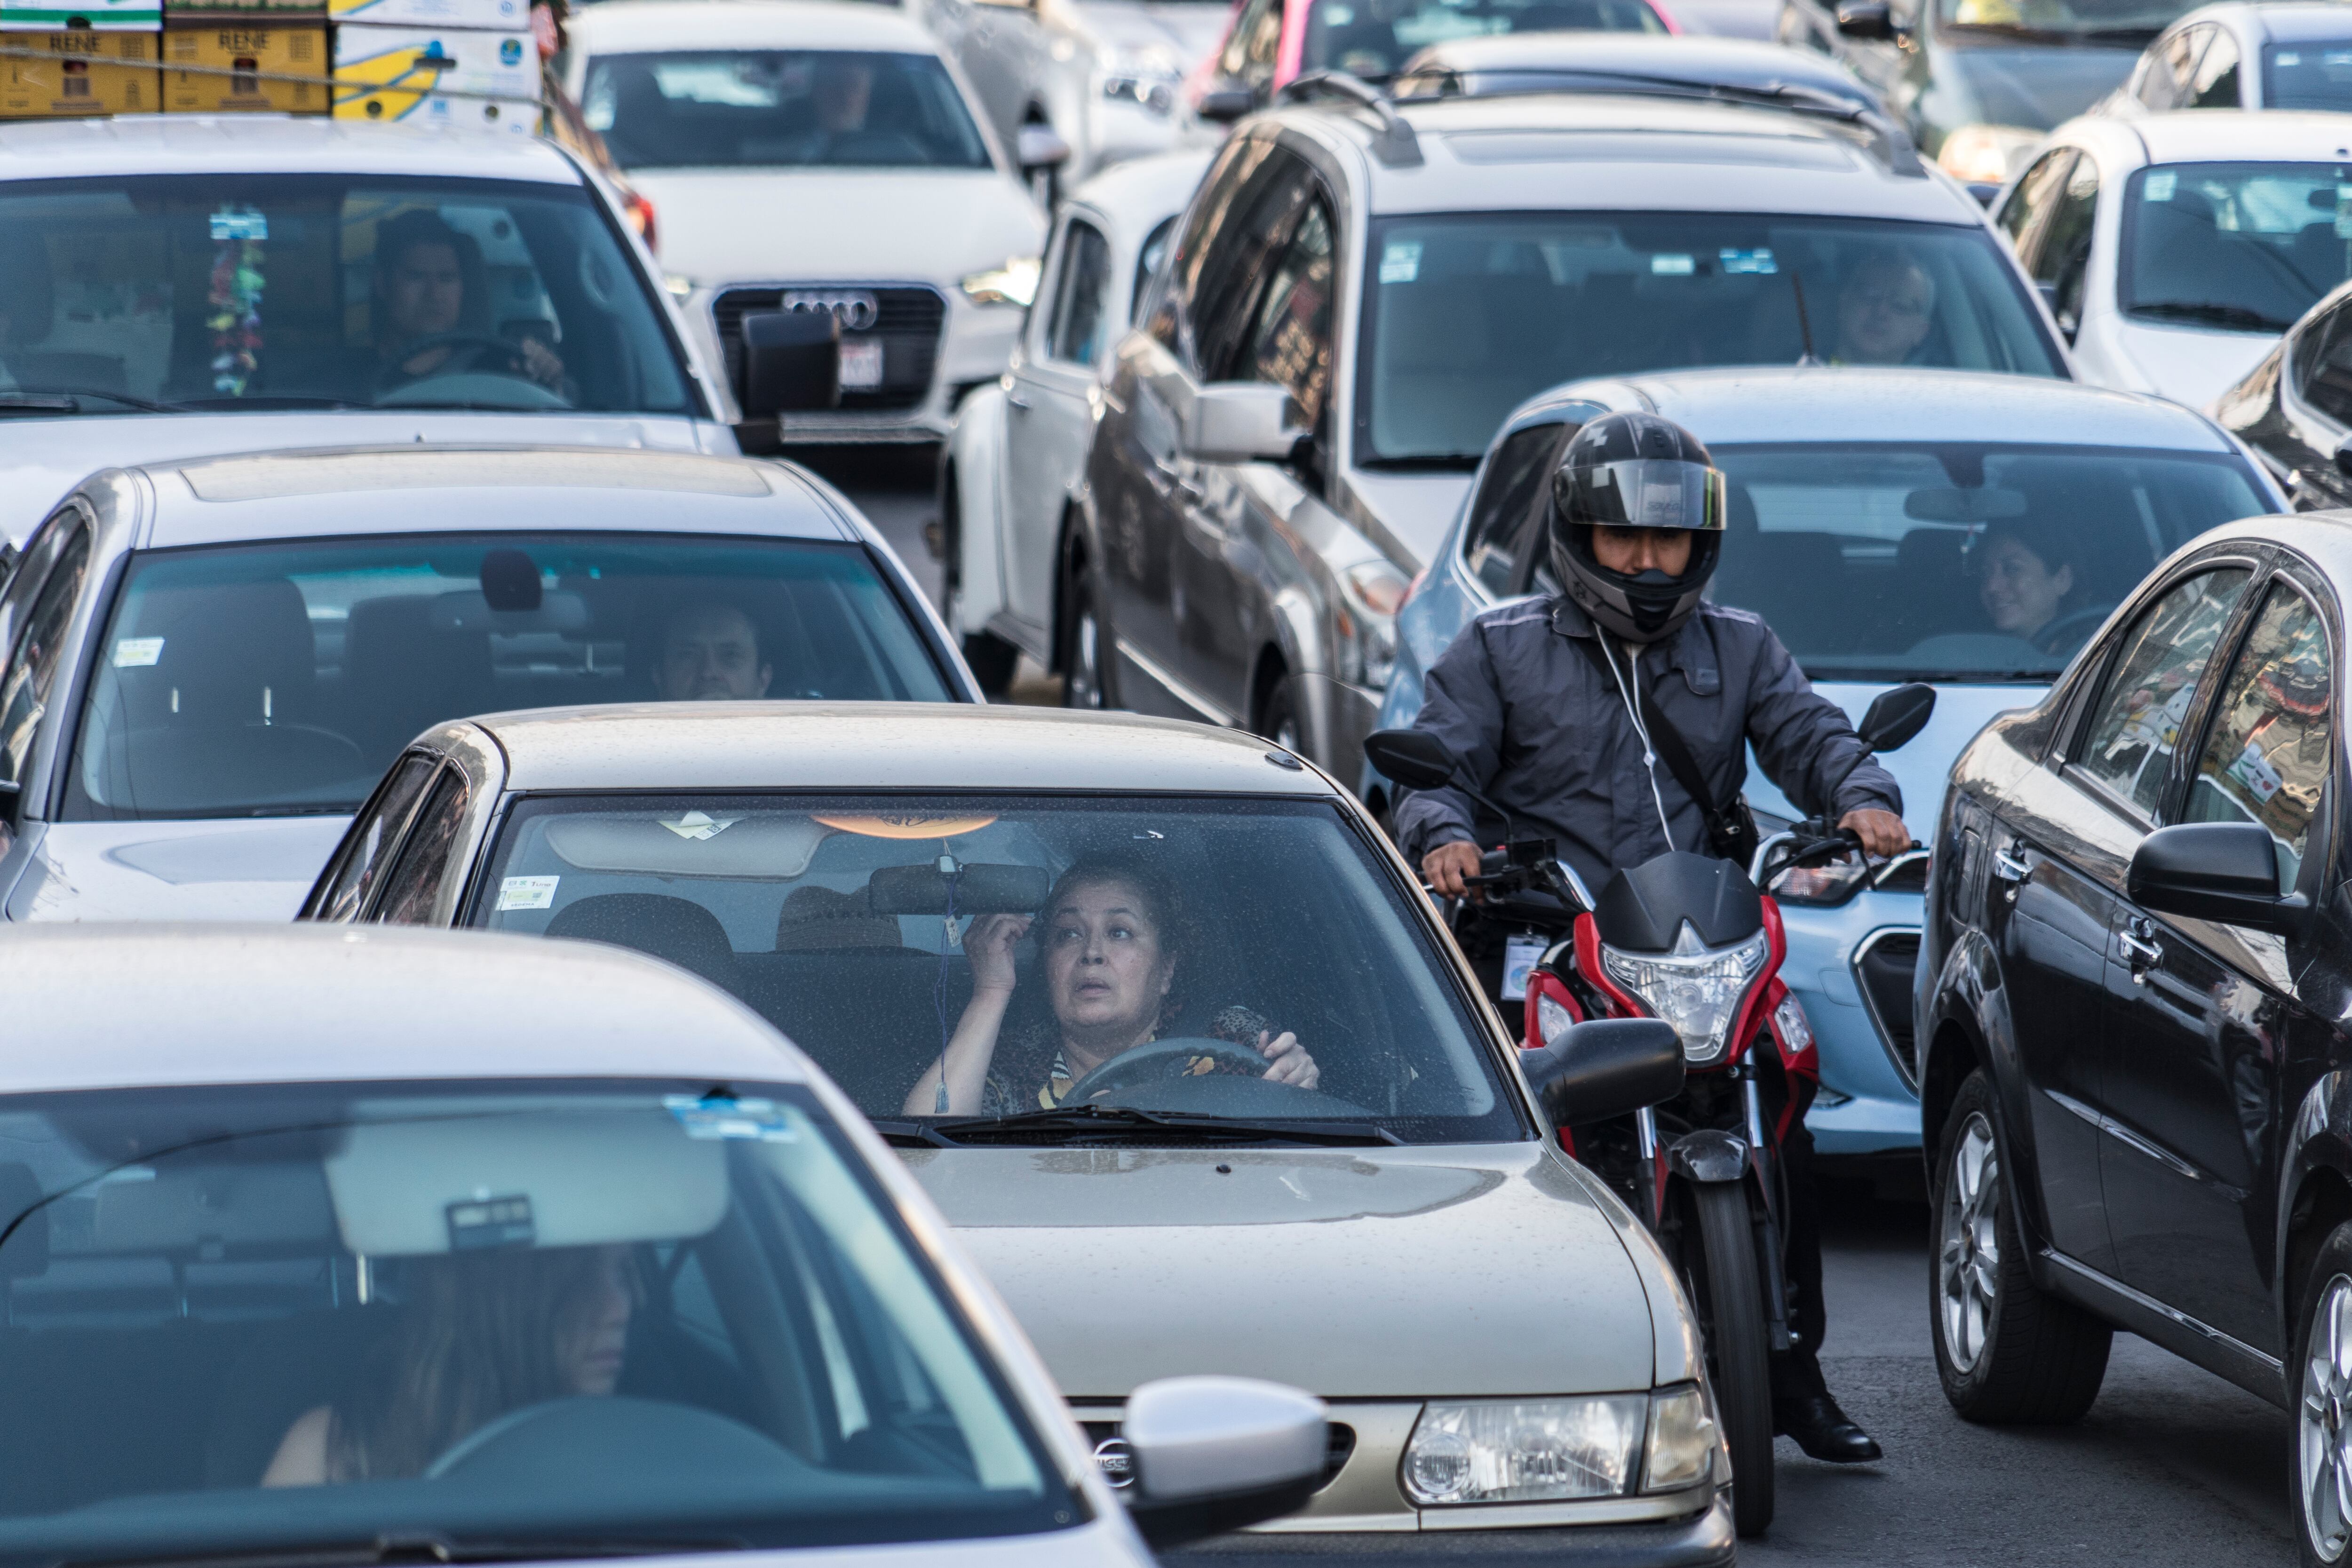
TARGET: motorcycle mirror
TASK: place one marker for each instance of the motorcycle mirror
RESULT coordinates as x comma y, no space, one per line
1610,1067
1894,717
1414,758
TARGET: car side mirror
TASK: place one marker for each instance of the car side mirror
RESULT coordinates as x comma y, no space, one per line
791,364
1610,1067
2225,871
1242,422
1865,19
1225,102
1414,758
2343,466
1894,717
1040,147
1215,1454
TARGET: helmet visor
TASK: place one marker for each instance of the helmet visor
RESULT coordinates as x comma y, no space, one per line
1646,492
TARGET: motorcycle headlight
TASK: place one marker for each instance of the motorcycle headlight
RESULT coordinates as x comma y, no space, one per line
1695,988
1524,1450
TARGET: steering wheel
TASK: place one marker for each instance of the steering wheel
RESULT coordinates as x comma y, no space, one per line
2064,635
511,354
1149,1063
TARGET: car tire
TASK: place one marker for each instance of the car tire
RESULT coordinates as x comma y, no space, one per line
992,660
1277,718
2007,1352
2320,1379
1738,1361
1086,642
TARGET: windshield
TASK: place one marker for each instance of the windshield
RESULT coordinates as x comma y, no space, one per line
1466,317
2312,74
1374,38
1956,563
2244,246
537,1319
264,679
780,109
2119,22
232,291
1228,958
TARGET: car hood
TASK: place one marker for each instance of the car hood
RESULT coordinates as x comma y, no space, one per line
2011,84
1354,1273
2189,364
240,869
1185,29
46,458
875,225
1921,766
1408,515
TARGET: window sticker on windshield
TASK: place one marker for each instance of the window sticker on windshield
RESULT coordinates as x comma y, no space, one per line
2337,58
1400,261
2161,185
759,1119
1665,266
487,1222
527,892
231,225
1759,260
137,653
699,825
2289,57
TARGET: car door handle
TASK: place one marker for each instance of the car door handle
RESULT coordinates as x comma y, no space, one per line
1017,400
2011,868
2139,953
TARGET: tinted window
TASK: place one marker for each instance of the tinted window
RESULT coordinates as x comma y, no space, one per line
40,654
1466,317
2166,83
1240,250
242,1319
2215,85
2267,754
1223,924
1960,562
780,109
293,291
1081,292
1290,340
2244,245
261,679
1502,512
2035,194
1256,38
2062,256
2323,364
2314,74
368,847
2135,728
1148,260
416,877
1374,38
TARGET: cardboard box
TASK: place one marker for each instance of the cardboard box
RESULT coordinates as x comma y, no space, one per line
103,16
314,11
77,71
390,73
497,16
233,65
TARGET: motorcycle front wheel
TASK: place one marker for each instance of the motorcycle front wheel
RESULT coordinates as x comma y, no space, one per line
1725,1290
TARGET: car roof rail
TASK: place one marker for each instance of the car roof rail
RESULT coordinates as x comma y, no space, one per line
1396,146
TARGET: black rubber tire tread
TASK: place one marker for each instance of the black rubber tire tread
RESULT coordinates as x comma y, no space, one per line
1079,595
1736,1348
2333,1258
2044,1357
993,661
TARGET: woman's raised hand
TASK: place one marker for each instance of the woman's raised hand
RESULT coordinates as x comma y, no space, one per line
1291,1063
989,945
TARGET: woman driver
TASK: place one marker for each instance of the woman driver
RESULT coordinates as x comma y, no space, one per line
1111,956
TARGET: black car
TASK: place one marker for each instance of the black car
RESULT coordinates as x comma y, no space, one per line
2134,1068
2294,409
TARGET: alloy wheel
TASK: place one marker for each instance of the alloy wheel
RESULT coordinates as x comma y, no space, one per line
1085,676
2326,1423
1968,1250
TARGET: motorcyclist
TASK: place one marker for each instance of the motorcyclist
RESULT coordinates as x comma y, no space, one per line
1545,701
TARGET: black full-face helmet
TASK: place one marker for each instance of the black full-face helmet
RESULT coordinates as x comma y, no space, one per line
1635,470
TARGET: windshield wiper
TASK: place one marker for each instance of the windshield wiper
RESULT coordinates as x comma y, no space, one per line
2213,313
263,400
1185,1126
68,400
388,1549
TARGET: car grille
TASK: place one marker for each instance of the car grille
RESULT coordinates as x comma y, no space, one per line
1883,967
907,319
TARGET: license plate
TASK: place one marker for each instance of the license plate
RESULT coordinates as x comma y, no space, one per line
861,365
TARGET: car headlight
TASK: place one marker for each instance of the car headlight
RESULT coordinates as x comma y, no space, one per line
1549,1450
1015,283
1986,154
1695,988
1370,595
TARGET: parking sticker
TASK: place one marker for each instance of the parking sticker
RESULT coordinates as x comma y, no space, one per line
527,892
1400,261
759,1119
137,653
1759,260
2161,185
1668,266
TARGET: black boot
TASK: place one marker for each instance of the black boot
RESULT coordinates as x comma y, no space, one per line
1822,1429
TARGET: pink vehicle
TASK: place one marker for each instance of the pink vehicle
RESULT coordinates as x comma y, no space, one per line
1269,43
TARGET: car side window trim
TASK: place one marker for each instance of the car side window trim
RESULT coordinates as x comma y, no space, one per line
396,834
436,796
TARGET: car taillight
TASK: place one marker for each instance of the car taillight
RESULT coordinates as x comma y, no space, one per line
640,214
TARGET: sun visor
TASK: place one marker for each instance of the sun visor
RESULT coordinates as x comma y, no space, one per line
979,889
406,1189
1990,503
690,844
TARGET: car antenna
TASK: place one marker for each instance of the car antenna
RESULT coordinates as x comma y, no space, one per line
1804,322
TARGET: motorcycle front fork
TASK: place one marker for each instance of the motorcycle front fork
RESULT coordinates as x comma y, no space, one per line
1767,1222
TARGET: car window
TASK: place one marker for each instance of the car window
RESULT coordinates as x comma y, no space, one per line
415,878
2215,85
1239,253
1468,315
2035,194
751,109
1081,290
2311,74
2062,257
262,290
40,654
1516,478
2165,84
2135,728
1147,263
2321,364
369,844
1289,340
1203,230
1374,38
2244,247
862,927
1254,44
590,1311
245,679
2267,754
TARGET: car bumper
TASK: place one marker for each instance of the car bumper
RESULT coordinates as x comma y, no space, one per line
1702,1540
1867,1105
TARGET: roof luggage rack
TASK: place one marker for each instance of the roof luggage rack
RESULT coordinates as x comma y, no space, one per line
1396,146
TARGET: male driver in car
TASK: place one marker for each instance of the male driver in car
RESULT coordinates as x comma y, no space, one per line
709,650
1538,697
420,293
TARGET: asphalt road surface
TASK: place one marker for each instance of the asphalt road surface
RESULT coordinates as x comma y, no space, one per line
2172,1466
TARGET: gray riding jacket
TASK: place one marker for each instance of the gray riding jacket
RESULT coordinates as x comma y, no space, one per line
1544,732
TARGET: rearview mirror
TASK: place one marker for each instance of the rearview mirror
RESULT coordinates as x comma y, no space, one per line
791,364
1610,1067
1414,758
1225,102
2225,871
1040,147
1214,1453
1242,422
1865,19
1893,717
